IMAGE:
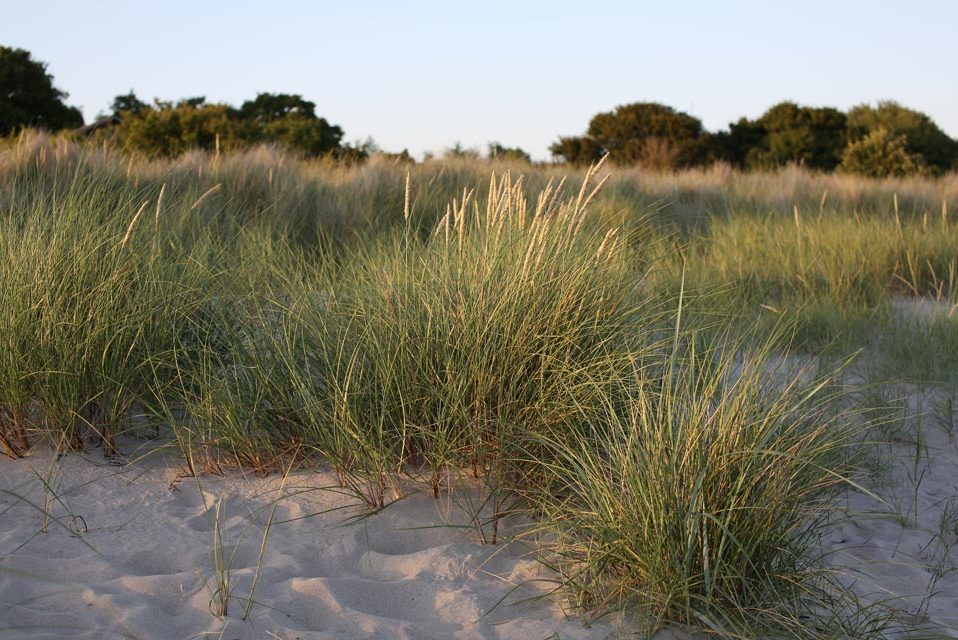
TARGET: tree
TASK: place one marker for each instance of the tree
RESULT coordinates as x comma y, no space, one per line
301,134
128,103
459,151
290,121
28,97
274,106
577,150
164,129
920,133
881,154
645,133
734,145
810,136
515,154
168,129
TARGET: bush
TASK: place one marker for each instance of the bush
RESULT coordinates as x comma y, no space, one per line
515,154
167,130
577,150
789,133
881,154
921,136
643,133
170,130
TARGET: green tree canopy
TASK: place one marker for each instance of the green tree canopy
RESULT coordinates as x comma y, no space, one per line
310,136
168,129
500,152
578,150
275,106
644,133
920,133
810,136
164,129
28,97
127,103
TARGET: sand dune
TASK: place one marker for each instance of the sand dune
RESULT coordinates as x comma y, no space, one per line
149,575
141,568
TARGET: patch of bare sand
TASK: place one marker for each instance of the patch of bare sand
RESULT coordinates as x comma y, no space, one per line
141,568
897,540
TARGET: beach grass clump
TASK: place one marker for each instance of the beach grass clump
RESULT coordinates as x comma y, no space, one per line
89,291
697,496
438,352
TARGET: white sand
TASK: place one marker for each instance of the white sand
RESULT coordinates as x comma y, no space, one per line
148,575
902,548
399,573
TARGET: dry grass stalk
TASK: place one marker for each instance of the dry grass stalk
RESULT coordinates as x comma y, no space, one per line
129,230
209,192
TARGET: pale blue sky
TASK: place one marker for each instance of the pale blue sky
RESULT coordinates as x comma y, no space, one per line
423,75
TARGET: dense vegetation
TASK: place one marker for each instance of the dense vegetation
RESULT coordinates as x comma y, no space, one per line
599,354
885,140
28,97
168,129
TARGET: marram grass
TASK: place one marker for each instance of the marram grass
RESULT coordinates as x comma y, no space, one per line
453,327
697,495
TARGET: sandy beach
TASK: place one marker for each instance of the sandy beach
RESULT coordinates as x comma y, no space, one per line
128,553
141,566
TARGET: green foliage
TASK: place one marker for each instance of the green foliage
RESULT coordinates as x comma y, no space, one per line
881,154
267,107
809,136
459,151
921,135
165,129
128,104
656,136
734,146
577,150
499,152
643,133
309,136
403,157
28,97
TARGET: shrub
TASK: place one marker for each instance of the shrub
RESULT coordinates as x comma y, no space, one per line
813,137
921,136
499,152
577,150
165,129
881,154
644,133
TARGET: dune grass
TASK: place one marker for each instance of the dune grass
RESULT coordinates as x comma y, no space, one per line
698,495
603,357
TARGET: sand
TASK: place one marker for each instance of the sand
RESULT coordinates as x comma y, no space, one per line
141,566
899,546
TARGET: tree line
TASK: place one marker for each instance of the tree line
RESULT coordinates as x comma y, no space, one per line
883,140
887,139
